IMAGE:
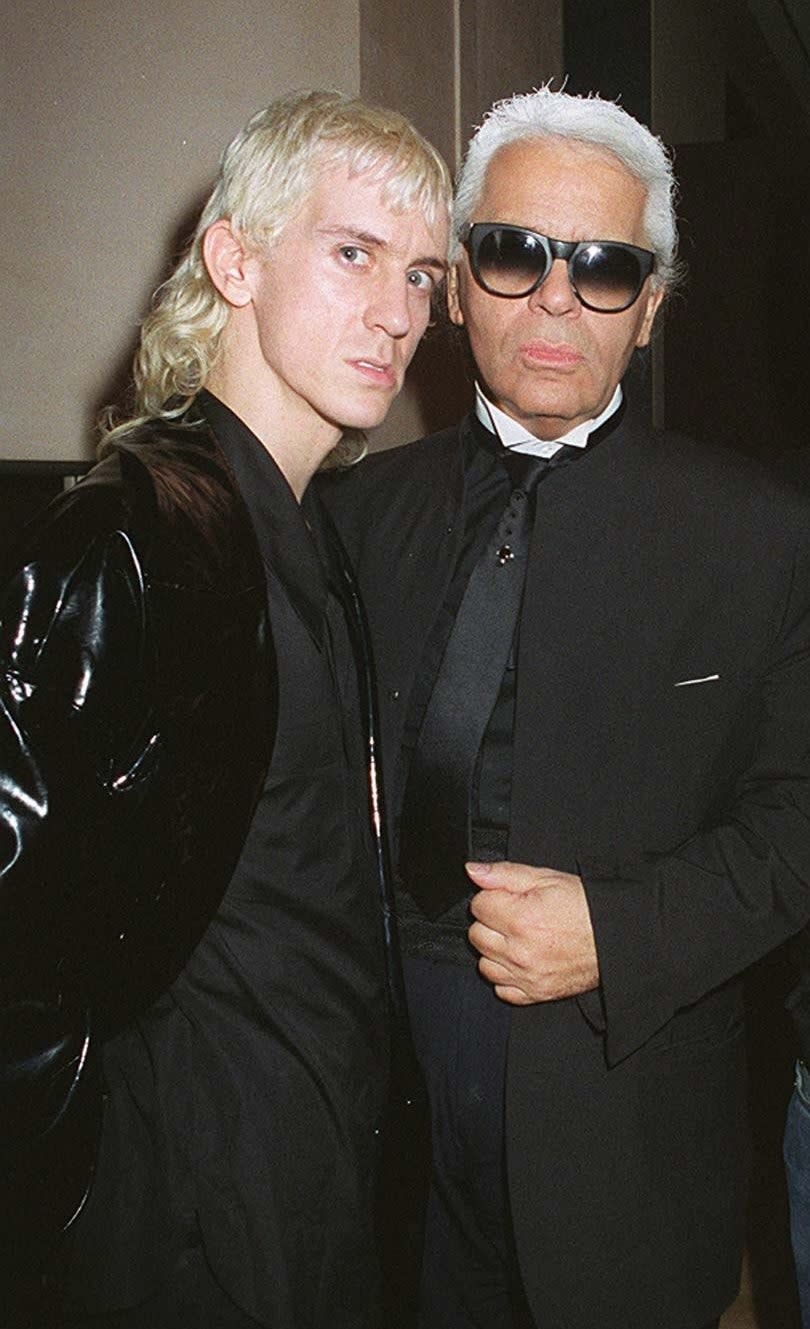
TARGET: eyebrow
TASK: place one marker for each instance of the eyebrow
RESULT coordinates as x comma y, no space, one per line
376,242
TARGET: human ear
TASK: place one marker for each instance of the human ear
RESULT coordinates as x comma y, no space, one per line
453,303
654,299
226,262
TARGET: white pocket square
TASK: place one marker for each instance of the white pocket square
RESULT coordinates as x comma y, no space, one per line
688,682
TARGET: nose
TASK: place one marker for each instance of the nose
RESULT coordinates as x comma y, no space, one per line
389,307
555,294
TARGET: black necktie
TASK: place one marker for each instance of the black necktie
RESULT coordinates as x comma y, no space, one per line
435,827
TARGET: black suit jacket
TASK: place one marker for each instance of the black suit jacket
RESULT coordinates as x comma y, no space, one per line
662,751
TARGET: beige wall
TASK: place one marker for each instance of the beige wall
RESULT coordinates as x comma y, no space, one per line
114,115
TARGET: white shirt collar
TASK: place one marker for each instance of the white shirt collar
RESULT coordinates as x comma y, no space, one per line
514,435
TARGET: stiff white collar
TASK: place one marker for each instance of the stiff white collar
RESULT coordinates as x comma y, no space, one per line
514,435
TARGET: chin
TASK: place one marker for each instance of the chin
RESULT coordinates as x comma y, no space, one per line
366,419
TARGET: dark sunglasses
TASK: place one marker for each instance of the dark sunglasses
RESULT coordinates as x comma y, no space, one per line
510,261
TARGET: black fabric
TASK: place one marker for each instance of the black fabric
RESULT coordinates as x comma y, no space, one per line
486,491
684,806
136,723
435,837
244,1103
190,1298
798,1002
469,1278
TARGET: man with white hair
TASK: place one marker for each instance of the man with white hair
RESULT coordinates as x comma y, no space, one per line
593,645
194,916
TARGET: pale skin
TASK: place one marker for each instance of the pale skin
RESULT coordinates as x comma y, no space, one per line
323,322
571,192
532,926
533,932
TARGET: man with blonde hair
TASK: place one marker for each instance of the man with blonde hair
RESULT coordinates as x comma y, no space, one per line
600,750
195,923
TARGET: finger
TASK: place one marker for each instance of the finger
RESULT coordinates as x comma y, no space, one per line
493,908
505,876
496,972
513,996
486,941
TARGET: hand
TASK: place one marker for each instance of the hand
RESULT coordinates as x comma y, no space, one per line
533,932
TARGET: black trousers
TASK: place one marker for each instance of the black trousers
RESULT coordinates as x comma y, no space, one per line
470,1277
190,1299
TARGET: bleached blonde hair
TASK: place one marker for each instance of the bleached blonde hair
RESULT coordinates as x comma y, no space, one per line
264,176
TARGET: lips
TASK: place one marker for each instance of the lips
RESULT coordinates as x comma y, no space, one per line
559,354
379,372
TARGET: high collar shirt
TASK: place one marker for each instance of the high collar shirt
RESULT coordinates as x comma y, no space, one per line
515,436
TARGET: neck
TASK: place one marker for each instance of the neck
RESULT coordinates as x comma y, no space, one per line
512,430
296,437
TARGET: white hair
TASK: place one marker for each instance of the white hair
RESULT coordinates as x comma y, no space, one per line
596,123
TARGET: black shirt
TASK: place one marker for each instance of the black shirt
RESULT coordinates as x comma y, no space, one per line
486,492
243,1106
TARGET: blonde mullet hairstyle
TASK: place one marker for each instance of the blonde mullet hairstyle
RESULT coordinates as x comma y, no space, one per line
264,176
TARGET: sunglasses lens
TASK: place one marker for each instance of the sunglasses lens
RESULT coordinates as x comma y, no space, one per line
607,277
510,262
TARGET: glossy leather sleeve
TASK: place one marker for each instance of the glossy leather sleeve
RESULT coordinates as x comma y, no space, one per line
72,647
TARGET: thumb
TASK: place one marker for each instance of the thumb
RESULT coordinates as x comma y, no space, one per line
503,876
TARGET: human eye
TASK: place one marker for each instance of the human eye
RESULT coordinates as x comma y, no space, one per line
354,256
421,280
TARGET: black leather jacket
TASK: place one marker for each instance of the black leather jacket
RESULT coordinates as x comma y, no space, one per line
136,725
